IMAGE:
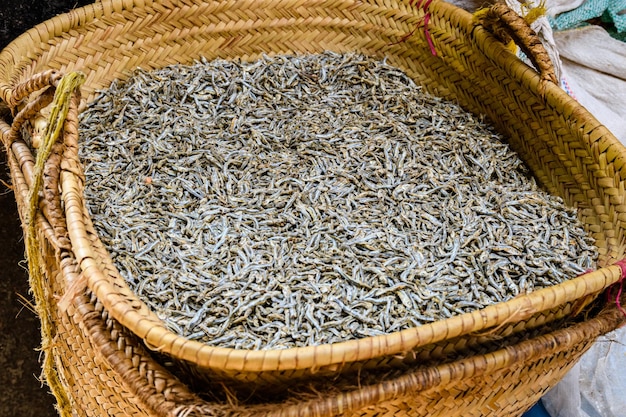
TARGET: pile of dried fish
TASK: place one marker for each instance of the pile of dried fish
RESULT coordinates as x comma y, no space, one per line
301,200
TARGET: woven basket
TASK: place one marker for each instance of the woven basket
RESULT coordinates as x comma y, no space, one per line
108,354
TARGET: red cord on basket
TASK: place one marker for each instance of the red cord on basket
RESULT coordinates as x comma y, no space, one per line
429,39
620,285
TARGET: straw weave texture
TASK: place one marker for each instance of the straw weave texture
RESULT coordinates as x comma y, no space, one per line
110,355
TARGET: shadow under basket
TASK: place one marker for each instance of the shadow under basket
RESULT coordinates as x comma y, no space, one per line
107,354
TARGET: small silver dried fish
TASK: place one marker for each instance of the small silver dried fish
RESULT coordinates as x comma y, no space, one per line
300,200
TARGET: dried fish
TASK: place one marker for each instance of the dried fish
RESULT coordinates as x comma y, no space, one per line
311,199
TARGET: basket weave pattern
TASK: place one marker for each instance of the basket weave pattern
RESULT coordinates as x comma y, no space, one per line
496,361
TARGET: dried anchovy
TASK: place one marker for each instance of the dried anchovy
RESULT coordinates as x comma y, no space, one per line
302,200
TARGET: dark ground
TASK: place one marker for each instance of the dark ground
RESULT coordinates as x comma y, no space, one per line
21,392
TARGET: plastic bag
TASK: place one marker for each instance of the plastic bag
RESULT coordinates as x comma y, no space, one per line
595,386
594,64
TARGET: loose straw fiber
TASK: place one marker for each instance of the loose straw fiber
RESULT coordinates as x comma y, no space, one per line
108,354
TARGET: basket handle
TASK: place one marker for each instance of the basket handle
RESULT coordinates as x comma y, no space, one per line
40,171
5,127
507,26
